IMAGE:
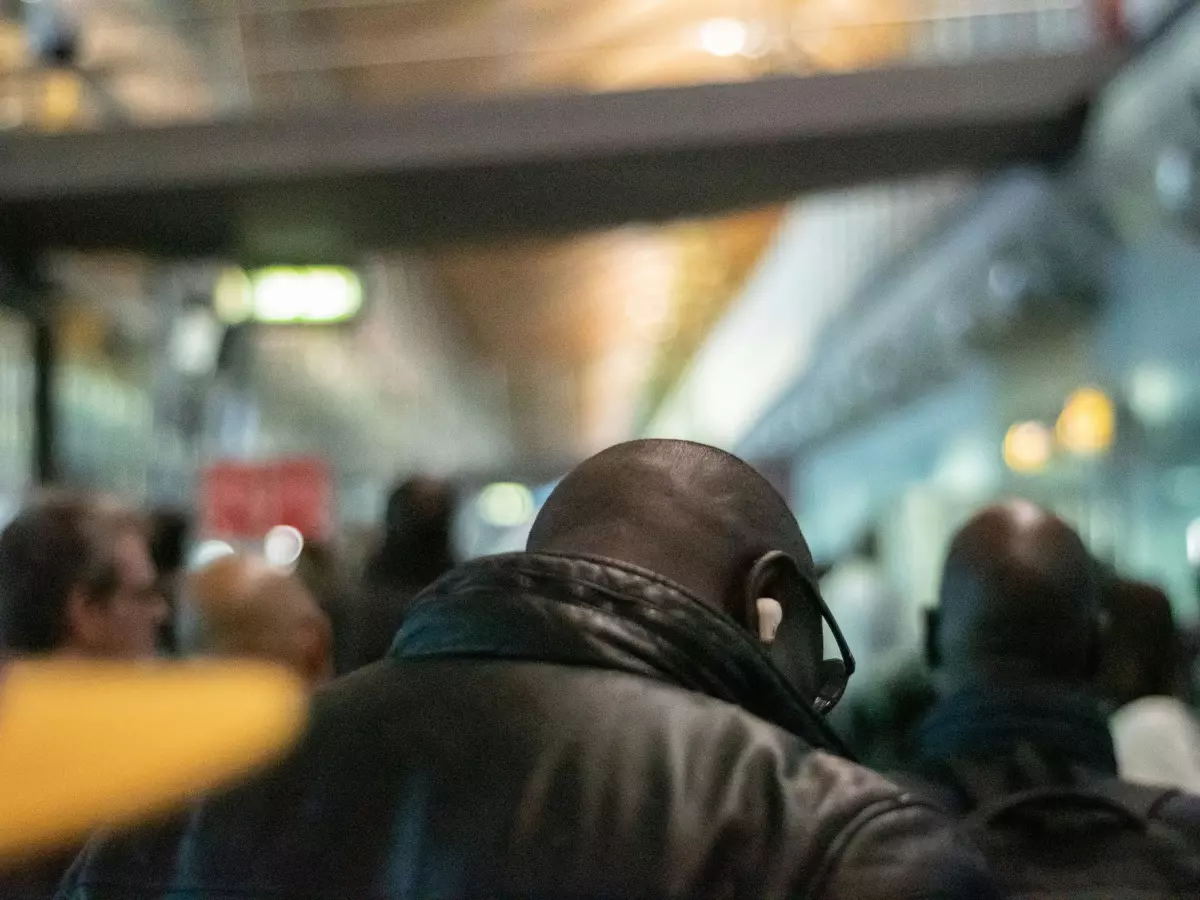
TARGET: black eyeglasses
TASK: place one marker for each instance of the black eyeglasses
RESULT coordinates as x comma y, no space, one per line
833,674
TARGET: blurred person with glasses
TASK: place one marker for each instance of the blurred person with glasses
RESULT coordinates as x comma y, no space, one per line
76,582
76,579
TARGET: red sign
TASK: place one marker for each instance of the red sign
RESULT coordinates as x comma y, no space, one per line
246,500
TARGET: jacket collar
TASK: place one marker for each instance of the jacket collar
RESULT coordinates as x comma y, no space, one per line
592,611
998,719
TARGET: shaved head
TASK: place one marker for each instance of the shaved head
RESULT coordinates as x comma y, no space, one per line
667,506
1020,596
693,514
241,606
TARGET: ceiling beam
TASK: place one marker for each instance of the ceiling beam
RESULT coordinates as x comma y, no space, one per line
331,184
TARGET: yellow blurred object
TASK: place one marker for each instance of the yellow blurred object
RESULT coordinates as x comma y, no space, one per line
62,92
86,744
1028,447
1088,422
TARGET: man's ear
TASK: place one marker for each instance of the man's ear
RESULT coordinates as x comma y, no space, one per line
790,631
933,655
763,594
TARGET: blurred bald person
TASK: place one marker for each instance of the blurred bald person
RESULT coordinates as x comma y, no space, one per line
239,605
1018,744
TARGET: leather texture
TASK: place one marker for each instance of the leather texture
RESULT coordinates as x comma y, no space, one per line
551,727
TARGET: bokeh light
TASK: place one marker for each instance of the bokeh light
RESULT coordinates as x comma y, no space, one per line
1088,422
282,546
724,36
505,504
1028,447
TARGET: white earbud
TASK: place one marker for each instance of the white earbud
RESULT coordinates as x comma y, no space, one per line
770,615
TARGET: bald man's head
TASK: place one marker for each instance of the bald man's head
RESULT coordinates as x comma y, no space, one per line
1019,597
240,606
699,517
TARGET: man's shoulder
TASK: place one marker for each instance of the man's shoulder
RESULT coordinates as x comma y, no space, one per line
826,822
653,780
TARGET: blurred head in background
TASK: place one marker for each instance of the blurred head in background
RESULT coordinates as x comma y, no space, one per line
1141,648
239,605
415,552
1020,599
415,549
76,577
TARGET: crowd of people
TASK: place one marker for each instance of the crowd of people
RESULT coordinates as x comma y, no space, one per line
636,706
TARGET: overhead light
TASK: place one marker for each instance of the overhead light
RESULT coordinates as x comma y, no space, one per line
505,504
1028,447
724,37
1087,424
307,295
312,294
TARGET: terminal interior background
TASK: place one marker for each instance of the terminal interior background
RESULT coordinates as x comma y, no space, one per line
892,353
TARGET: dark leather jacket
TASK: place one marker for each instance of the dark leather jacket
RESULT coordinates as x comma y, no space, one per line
551,727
